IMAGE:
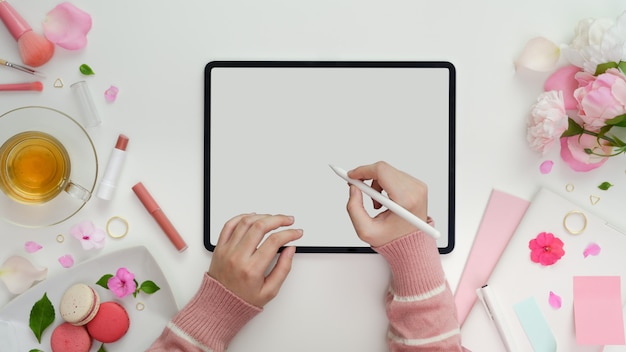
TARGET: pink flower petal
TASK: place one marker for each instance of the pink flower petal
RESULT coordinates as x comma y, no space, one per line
592,249
555,300
563,79
539,54
67,261
572,152
19,274
32,247
67,26
111,94
546,166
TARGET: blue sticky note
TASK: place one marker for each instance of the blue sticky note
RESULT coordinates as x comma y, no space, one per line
535,325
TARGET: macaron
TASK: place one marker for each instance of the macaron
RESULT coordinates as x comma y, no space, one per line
110,324
79,304
70,338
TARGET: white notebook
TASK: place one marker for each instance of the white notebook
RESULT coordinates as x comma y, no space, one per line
518,280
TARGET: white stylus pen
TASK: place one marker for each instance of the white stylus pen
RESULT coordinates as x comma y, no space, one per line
492,306
391,205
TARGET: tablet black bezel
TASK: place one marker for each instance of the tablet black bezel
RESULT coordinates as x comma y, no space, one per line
347,64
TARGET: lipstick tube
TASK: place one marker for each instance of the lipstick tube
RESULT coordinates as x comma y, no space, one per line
113,169
153,208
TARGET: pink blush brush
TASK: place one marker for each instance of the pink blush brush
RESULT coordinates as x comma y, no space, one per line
35,50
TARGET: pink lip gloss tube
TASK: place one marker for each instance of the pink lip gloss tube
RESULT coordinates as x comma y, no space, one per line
153,208
113,169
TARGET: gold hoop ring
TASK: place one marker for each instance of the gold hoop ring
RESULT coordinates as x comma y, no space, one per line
140,306
60,238
120,219
578,231
569,187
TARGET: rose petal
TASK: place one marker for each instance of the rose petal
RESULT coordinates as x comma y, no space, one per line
546,166
555,300
67,261
563,80
19,274
570,156
592,249
539,54
67,26
32,247
111,94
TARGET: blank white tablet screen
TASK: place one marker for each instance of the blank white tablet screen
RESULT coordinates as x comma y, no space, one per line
273,128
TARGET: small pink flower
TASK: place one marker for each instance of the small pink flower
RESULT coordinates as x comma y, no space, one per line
32,247
89,236
123,283
548,120
546,249
111,94
574,154
66,261
67,26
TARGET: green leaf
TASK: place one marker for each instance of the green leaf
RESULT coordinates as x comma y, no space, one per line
101,349
617,121
137,288
605,185
41,316
601,68
622,66
573,128
104,281
86,70
149,287
35,350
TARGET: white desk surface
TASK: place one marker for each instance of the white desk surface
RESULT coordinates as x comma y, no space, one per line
155,52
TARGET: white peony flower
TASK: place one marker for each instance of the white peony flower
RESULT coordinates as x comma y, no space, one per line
597,41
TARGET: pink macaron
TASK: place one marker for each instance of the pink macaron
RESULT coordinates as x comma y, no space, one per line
70,338
110,324
79,304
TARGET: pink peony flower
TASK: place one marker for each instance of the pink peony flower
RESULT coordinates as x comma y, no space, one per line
546,249
547,122
67,26
123,283
89,236
600,98
564,80
573,152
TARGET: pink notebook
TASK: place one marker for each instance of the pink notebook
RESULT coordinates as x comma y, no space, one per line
500,219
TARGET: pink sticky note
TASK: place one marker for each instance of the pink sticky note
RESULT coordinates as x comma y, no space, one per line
500,219
598,310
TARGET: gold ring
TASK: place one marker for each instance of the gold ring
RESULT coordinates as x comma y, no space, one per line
140,306
569,187
584,224
60,238
120,219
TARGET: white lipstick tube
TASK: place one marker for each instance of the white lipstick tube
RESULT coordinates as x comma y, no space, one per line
113,169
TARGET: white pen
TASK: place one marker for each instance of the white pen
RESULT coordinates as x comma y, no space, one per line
492,306
391,205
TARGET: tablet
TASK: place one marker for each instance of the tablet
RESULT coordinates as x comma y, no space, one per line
272,128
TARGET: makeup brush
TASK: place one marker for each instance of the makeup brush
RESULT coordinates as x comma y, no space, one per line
34,48
38,86
4,62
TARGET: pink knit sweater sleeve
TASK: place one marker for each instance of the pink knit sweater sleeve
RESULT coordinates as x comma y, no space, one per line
420,305
207,323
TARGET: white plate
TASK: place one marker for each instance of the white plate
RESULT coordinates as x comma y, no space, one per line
145,325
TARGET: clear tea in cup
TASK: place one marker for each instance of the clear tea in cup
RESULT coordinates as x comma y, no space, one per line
34,167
